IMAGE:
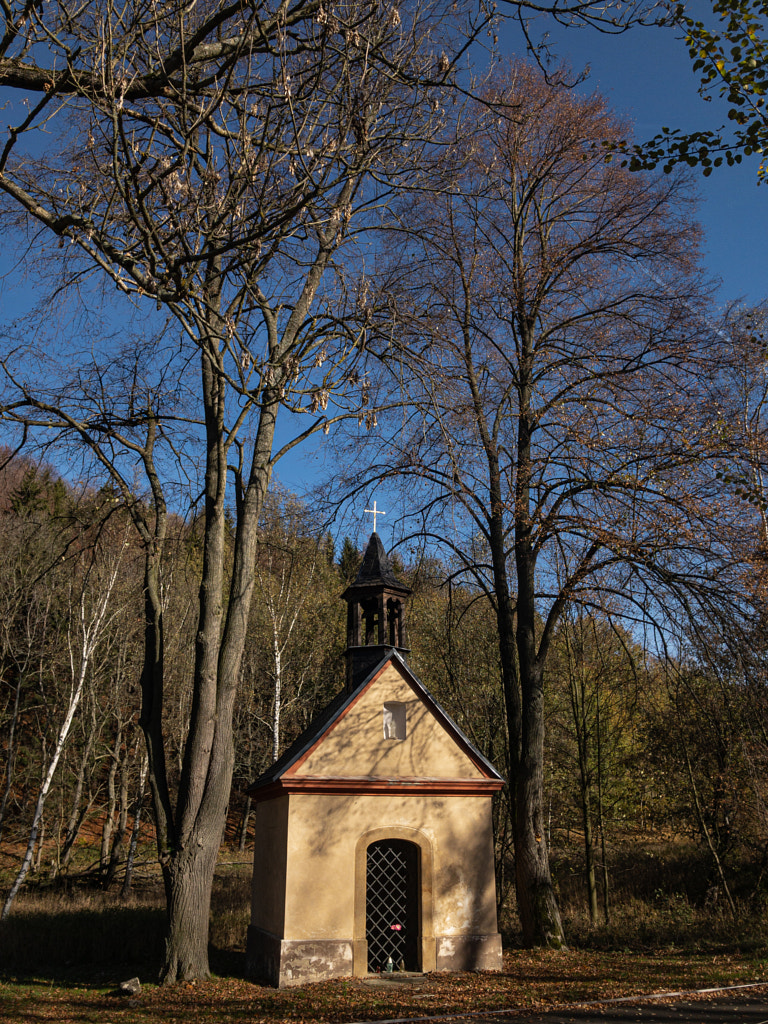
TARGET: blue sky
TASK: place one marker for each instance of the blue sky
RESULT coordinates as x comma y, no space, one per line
646,74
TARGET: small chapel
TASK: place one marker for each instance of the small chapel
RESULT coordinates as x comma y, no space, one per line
374,844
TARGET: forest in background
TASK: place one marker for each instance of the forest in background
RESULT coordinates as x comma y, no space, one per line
654,768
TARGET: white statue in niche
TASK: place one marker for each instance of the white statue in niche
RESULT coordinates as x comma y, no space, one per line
394,720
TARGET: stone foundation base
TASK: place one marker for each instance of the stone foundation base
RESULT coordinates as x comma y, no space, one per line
287,962
468,952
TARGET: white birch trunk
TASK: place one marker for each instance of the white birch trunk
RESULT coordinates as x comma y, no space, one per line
90,634
130,859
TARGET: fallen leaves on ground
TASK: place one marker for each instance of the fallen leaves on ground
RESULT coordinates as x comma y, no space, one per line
530,980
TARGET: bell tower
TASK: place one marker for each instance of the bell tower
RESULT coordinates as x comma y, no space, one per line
375,619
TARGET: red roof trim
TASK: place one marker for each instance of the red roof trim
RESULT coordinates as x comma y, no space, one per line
378,786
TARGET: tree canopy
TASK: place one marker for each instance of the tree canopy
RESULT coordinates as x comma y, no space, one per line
557,437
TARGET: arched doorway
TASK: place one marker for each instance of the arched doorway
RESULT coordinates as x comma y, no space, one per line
392,897
424,932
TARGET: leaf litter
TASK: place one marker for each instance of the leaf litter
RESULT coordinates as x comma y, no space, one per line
530,980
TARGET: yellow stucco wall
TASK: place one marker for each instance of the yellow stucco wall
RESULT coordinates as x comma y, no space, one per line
357,747
324,832
269,865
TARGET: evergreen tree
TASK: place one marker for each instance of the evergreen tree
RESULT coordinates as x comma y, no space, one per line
350,560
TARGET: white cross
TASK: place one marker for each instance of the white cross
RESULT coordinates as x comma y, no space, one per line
375,512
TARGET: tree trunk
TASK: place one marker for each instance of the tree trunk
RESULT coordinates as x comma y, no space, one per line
278,695
134,841
706,832
117,853
539,913
77,813
524,704
589,852
244,825
604,865
600,816
578,691
188,895
40,844
11,752
194,833
109,815
536,900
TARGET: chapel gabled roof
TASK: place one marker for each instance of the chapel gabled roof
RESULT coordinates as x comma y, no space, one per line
270,780
305,740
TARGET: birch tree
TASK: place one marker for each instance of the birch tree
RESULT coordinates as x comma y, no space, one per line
35,537
215,165
295,610
89,617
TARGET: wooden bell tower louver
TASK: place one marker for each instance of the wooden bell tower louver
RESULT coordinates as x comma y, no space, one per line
375,614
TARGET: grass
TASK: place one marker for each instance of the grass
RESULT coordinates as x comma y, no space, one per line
64,951
80,933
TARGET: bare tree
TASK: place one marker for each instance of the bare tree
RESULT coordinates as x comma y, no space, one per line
557,434
36,536
295,611
595,666
741,400
215,164
135,829
211,162
452,634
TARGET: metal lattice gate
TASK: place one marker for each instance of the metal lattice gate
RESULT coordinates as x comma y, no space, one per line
392,905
